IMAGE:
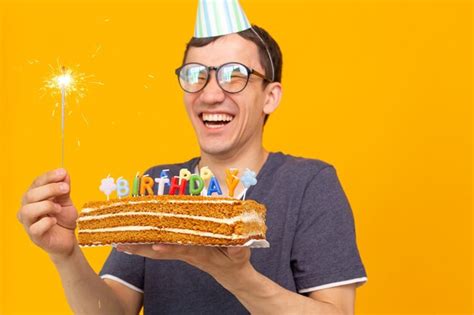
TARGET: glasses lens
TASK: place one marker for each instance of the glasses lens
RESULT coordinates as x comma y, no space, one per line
233,77
192,77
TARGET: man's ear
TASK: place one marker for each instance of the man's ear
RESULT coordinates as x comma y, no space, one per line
273,97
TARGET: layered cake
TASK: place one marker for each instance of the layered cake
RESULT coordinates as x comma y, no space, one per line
178,219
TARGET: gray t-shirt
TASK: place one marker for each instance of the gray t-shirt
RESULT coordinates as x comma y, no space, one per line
310,230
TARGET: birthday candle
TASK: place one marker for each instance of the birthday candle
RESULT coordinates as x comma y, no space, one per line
214,187
164,174
249,178
184,173
196,185
231,180
107,186
122,187
206,173
146,185
136,185
162,182
175,185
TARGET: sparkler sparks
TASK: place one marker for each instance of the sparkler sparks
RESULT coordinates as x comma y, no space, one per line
67,81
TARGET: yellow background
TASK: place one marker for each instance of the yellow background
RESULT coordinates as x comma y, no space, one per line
380,89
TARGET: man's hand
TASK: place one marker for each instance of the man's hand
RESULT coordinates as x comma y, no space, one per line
48,214
223,263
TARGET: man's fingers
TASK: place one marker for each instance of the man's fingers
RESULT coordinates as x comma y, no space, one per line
30,213
65,199
53,176
174,251
169,248
42,226
45,192
163,252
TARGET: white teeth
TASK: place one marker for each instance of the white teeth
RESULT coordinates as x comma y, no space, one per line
214,126
215,121
216,117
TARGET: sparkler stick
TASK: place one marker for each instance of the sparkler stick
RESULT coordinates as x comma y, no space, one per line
63,105
66,82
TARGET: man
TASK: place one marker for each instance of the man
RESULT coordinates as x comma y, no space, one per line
231,84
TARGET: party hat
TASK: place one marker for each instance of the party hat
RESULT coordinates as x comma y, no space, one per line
219,17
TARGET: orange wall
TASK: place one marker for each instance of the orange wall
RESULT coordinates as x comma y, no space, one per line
380,89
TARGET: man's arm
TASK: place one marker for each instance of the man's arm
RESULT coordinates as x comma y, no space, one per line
88,294
343,296
231,267
260,295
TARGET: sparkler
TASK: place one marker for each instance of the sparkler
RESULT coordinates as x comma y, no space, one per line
65,81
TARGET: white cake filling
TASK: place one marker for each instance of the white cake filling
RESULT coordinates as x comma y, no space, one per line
173,230
121,203
247,217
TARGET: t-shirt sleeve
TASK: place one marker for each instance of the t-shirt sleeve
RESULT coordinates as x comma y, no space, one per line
325,252
125,269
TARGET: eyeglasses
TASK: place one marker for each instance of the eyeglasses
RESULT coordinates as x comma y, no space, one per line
232,77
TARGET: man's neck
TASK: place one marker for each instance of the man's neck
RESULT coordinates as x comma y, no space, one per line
251,159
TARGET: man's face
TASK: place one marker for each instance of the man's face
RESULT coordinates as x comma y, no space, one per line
226,123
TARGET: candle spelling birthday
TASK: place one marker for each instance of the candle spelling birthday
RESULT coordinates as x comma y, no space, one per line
195,184
177,206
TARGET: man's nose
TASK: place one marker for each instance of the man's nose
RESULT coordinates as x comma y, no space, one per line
212,93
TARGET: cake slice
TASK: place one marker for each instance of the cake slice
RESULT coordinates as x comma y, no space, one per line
178,219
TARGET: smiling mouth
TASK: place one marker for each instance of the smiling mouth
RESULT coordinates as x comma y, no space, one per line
215,121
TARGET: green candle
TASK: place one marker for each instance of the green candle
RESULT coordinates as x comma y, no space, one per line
196,185
136,186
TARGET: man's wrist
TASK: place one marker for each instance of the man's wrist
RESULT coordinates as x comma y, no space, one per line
238,280
61,259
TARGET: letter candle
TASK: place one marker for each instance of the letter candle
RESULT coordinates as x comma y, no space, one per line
196,185
146,185
214,187
184,173
231,180
162,182
175,185
136,185
122,187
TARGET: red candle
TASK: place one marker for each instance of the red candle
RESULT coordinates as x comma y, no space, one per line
175,185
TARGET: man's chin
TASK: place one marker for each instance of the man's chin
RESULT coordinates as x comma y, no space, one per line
216,148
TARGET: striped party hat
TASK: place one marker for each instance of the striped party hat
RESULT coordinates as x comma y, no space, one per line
219,17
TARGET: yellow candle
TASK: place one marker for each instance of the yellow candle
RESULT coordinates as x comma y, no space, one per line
231,180
206,173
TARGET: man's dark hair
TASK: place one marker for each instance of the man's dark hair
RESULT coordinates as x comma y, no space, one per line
250,35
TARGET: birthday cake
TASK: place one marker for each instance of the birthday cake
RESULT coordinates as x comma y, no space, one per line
180,219
151,216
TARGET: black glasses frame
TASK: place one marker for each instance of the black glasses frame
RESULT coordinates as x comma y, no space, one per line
216,69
